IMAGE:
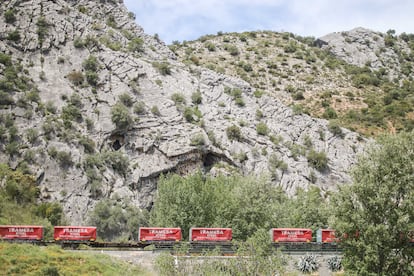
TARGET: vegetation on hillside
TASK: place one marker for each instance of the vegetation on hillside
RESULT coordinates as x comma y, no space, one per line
24,259
366,99
19,202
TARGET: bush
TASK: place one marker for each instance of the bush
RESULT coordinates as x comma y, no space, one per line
335,129
136,45
155,110
196,97
317,160
92,78
139,108
120,116
198,140
233,133
126,99
163,67
42,28
64,158
116,219
178,98
9,16
90,64
14,36
262,129
329,113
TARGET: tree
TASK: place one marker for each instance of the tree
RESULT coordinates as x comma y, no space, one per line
246,204
375,214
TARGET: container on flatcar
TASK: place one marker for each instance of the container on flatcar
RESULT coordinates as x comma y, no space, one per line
159,234
291,234
74,233
211,234
326,236
21,232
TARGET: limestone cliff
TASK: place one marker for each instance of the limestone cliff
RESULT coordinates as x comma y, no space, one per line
96,108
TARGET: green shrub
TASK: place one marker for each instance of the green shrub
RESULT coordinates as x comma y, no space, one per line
92,78
31,135
42,28
111,22
64,158
317,160
233,133
262,129
335,129
139,108
178,98
90,64
163,67
126,99
9,16
210,46
155,110
120,116
14,36
240,102
71,113
196,97
329,113
12,148
198,140
232,49
136,45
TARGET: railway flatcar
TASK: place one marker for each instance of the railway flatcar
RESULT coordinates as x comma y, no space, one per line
74,233
159,234
210,234
21,232
291,235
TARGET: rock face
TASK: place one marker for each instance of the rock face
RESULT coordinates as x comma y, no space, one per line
363,47
106,109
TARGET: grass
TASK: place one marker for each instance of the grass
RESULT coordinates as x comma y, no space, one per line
25,259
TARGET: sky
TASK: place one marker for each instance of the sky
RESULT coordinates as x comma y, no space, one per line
179,20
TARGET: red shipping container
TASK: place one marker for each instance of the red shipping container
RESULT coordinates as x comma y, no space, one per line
326,236
291,235
74,233
210,234
159,234
21,232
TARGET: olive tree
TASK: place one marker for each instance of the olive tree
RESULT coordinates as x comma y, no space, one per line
374,216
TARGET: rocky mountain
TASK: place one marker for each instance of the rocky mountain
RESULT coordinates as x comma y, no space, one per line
96,108
361,79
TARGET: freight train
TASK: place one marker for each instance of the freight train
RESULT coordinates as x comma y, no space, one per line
159,234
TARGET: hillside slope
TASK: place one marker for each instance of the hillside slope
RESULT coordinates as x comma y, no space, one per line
95,108
360,78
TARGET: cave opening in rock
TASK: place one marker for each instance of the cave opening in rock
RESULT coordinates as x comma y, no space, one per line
116,145
209,160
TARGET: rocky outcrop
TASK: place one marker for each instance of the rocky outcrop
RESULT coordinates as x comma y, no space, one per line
364,47
83,59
